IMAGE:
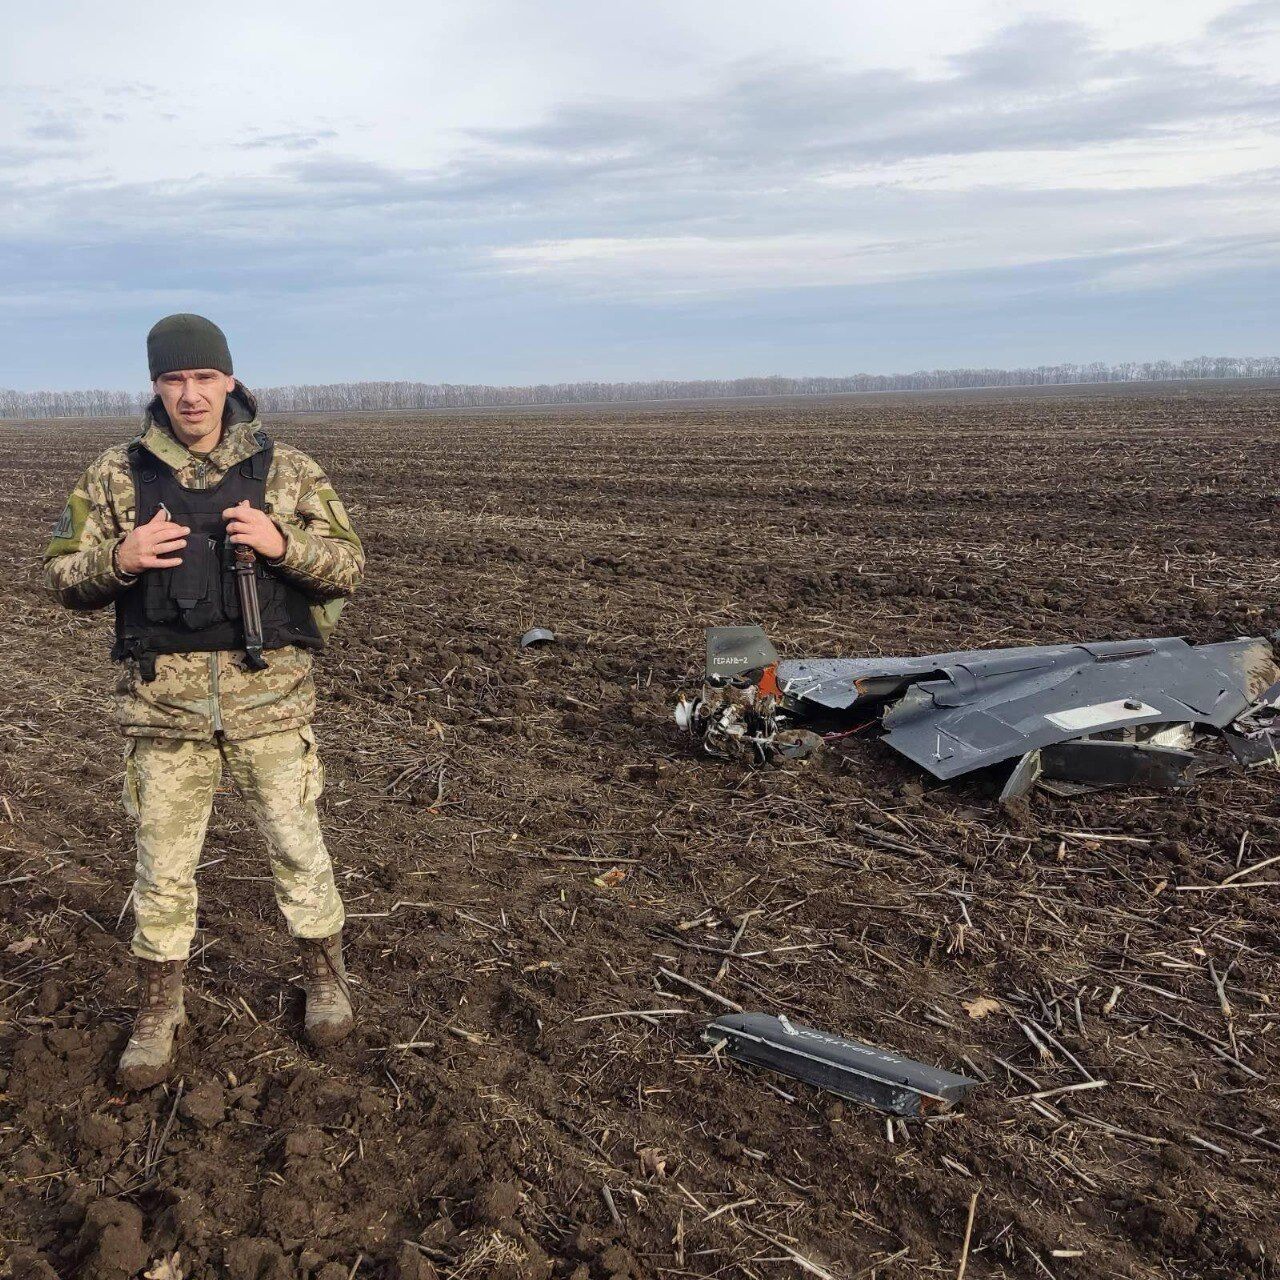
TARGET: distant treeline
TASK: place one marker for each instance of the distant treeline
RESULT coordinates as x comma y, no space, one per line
372,396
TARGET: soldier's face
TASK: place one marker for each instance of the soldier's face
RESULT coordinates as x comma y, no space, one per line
194,400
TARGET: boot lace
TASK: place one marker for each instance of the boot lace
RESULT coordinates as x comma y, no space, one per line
154,1005
324,978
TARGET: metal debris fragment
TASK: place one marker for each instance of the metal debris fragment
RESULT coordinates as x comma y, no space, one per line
536,635
1254,735
734,650
846,1067
1026,773
1101,762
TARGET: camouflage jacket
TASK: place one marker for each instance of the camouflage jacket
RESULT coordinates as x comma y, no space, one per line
196,695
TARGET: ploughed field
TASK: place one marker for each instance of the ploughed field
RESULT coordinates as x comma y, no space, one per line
525,842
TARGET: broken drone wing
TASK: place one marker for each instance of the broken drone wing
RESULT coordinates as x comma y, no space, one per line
846,1067
1106,713
981,713
960,711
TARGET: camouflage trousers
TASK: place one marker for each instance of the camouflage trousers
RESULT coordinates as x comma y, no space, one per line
169,786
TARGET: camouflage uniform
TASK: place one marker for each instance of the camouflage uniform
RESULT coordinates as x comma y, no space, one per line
204,710
169,786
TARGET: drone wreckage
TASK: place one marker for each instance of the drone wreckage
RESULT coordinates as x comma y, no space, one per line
1073,718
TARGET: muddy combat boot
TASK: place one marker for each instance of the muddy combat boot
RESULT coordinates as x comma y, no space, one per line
328,1016
149,1054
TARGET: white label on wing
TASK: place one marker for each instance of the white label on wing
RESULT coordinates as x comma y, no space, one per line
1081,719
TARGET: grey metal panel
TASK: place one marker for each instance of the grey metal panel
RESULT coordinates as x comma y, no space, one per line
1254,736
732,651
972,708
847,1067
1102,763
951,726
1255,749
834,682
1026,773
536,635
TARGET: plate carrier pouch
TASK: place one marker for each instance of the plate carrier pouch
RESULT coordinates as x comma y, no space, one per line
195,607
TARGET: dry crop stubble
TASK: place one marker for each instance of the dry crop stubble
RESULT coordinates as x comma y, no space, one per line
526,1093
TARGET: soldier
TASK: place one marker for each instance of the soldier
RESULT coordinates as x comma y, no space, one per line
154,527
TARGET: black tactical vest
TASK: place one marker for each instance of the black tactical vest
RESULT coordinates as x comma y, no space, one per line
195,607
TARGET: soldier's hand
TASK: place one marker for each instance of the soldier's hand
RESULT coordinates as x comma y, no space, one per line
154,545
249,527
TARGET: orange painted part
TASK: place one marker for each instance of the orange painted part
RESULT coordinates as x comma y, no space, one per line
769,681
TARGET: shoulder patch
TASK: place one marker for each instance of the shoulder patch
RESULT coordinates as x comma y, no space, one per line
340,529
67,532
337,512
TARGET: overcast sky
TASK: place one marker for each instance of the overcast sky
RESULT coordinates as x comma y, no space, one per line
499,191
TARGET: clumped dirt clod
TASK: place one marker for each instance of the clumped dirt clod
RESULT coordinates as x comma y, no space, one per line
525,1094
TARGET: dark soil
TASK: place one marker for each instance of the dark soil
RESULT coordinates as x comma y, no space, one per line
484,1120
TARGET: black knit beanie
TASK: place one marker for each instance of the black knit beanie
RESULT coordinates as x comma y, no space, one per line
186,342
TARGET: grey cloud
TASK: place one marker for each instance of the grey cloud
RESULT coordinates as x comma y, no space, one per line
292,141
342,171
750,148
741,159
1015,58
54,130
63,122
132,90
748,151
1254,18
505,186
1168,266
1039,83
16,160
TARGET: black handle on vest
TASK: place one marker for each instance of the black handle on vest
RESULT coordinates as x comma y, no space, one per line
250,614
